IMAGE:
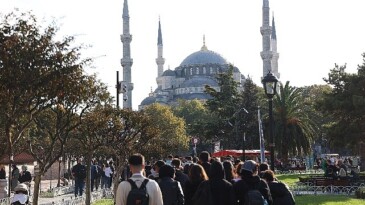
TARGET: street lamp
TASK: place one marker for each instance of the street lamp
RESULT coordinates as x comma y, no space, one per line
270,82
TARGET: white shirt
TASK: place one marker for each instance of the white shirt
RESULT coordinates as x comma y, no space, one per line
153,190
108,172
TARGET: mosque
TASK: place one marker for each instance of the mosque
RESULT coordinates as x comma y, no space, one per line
187,81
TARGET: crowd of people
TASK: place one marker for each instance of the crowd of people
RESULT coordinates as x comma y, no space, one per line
203,180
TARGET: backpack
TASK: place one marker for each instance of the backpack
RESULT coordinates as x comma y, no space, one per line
138,196
254,197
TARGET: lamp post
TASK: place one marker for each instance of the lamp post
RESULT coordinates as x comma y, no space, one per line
270,82
236,130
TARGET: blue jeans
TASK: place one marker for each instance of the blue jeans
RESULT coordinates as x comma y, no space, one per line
79,186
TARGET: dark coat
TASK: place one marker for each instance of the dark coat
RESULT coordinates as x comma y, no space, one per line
172,193
189,191
181,177
247,183
281,194
222,192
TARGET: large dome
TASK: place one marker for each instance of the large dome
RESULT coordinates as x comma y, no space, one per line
203,57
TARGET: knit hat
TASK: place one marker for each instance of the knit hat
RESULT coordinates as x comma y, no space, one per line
249,165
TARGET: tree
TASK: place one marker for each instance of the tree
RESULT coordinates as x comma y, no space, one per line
34,72
345,104
98,125
248,122
294,127
172,136
223,105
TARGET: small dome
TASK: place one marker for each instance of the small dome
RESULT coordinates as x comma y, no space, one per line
203,57
198,81
169,73
148,101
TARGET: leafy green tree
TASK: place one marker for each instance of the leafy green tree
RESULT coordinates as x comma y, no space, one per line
36,70
196,117
223,105
172,135
98,125
294,127
248,121
345,104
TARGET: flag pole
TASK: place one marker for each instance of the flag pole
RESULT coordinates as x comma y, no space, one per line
261,135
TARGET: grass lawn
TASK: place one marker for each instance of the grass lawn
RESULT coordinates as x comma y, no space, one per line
327,200
104,202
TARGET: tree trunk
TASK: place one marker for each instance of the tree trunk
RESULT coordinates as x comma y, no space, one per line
88,178
37,181
362,156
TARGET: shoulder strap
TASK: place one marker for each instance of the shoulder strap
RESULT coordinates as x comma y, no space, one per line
133,184
144,183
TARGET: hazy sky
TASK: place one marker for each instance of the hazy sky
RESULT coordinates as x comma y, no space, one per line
312,35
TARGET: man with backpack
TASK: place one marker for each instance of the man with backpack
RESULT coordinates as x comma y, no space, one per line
252,190
138,190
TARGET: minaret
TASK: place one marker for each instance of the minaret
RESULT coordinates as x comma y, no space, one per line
274,49
159,60
265,30
126,61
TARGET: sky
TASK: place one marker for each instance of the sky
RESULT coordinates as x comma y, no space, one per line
312,35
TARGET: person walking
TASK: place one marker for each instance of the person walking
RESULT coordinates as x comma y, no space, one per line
136,165
14,176
180,176
25,177
251,181
196,175
79,174
279,191
2,172
222,190
172,193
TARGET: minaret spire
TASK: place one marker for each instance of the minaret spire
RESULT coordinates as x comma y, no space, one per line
275,54
160,61
126,61
204,47
265,30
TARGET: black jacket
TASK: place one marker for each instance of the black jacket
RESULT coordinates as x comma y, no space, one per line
281,194
222,192
181,177
172,193
25,176
189,191
241,187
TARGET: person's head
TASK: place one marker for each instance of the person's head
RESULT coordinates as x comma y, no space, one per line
176,163
204,156
136,163
158,165
249,168
79,160
24,168
166,171
263,167
216,170
228,170
197,173
14,166
189,158
21,188
268,175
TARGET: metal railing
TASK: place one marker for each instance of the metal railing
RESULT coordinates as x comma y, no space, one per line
310,188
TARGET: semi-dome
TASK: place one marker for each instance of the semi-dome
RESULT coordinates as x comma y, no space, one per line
202,57
198,81
169,73
148,101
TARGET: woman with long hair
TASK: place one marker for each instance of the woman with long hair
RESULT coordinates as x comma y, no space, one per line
197,175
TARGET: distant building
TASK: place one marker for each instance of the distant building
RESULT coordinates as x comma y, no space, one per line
187,81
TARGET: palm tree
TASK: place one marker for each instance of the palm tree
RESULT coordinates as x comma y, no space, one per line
294,122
